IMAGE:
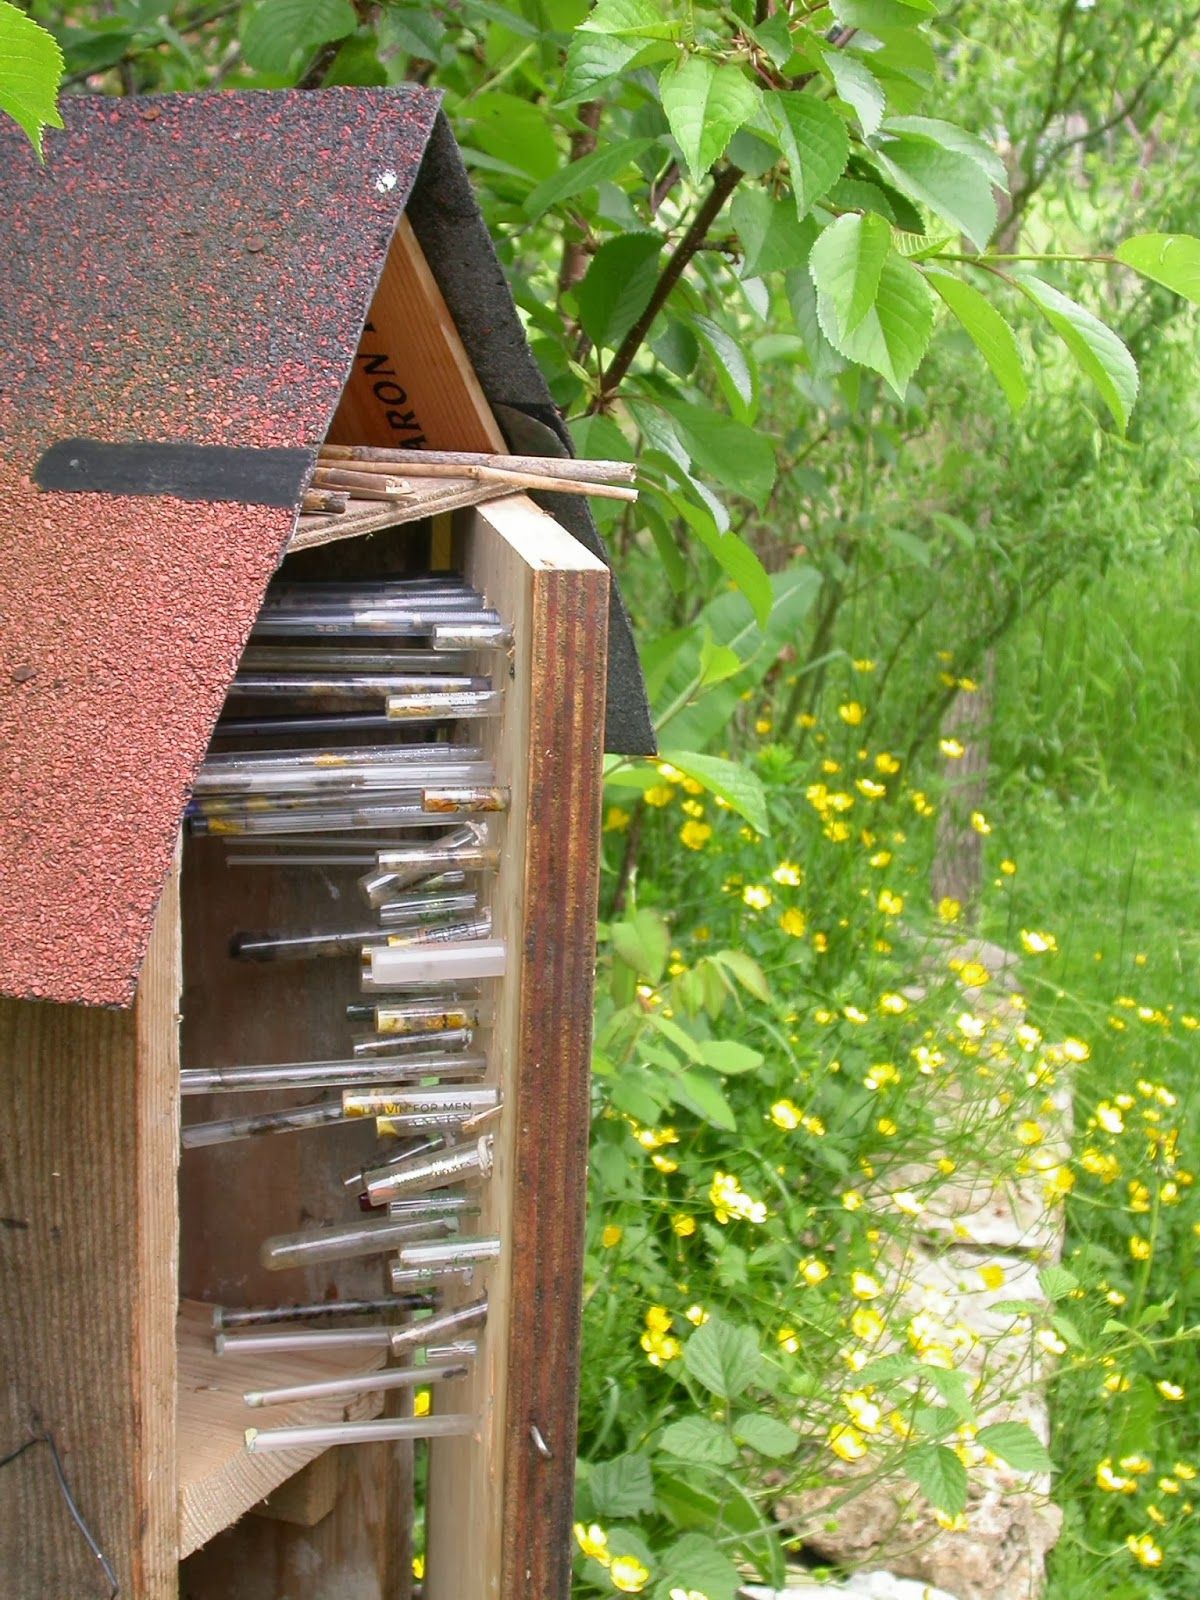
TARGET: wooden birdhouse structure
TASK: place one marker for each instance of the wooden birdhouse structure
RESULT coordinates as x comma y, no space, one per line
201,293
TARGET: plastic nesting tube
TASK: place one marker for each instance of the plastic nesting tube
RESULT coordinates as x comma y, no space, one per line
226,1317
432,1205
470,1164
433,1330
471,635
393,1045
348,620
425,1277
428,706
413,908
345,1242
456,1350
285,727
418,1015
384,1163
334,1074
272,946
321,1435
363,1383
351,686
314,781
424,964
312,658
449,1253
329,817
279,1343
262,1123
457,1104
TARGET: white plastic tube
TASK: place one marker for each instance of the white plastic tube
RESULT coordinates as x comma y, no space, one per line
361,1383
321,1435
399,967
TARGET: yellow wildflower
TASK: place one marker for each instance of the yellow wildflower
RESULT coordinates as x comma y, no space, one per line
886,763
846,1442
1113,1482
864,1413
949,909
729,1199
852,1200
787,1340
852,713
1008,867
1029,1133
789,874
684,1225
992,1277
980,823
1143,1549
422,1403
593,1541
952,749
863,1286
890,903
894,1005
1169,1391
757,896
660,795
612,1235
616,819
628,1574
812,1271
871,789
786,1114
696,1315
866,1323
695,835
1037,944
794,922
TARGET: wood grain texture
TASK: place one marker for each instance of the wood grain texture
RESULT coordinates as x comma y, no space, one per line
412,383
219,1479
88,1152
499,1513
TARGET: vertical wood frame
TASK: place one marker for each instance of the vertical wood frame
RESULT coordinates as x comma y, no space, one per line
499,1509
89,1142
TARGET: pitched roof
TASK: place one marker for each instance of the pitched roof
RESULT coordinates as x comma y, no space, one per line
191,269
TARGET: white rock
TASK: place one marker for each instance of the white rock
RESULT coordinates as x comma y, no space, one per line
863,1586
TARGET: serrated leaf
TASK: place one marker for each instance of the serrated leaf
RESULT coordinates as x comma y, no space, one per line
411,29
630,19
894,334
858,86
940,1476
988,332
724,1357
617,286
705,105
31,69
952,1386
875,14
1057,1283
592,59
814,141
717,662
951,137
774,33
766,1434
953,185
697,1439
738,457
1097,350
845,264
737,559
747,972
704,1097
622,1487
1172,259
857,194
586,173
773,237
730,1057
277,29
720,1501
643,942
696,1564
739,787
1016,1443
733,369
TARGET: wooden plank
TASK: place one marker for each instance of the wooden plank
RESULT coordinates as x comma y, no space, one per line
308,1497
499,1513
219,1479
88,1151
412,384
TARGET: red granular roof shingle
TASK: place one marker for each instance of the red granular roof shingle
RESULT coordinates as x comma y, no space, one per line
191,268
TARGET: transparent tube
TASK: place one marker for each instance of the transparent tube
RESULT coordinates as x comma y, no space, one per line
432,1277
447,963
384,1163
459,1205
449,1252
314,658
330,817
284,728
279,1342
431,707
421,864
231,763
346,1241
433,1330
471,635
262,1123
226,1317
412,908
362,1383
347,620
272,946
352,686
393,1045
316,781
470,1164
456,1350
414,1016
321,1435
334,1074
452,1103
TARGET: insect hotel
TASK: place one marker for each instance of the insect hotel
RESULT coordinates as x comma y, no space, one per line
302,705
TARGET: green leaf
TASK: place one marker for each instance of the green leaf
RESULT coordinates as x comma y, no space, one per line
697,1564
894,334
730,1057
277,29
766,1434
622,1487
586,173
1172,259
724,1357
593,59
952,1386
643,942
617,286
717,662
704,1097
733,369
814,140
1057,1283
747,972
951,137
875,14
413,30
953,185
739,787
631,19
940,1476
858,86
31,69
737,456
773,237
774,33
987,330
732,553
725,1506
845,264
705,105
1097,350
1016,1443
697,1439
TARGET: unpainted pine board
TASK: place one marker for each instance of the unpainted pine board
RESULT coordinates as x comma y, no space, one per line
499,1512
219,1479
308,1496
89,1108
412,383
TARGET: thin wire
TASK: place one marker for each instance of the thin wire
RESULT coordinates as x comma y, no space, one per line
76,1515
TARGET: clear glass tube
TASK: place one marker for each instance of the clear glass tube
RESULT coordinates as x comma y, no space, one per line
279,1342
393,1045
226,1317
385,1162
346,1241
432,1277
414,1016
362,1383
316,781
425,964
348,620
334,1074
231,763
329,817
321,1435
284,728
416,926
458,1251
454,1102
433,1205
471,635
351,686
432,707
434,1330
417,1175
262,1123
331,658
456,1350
412,908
